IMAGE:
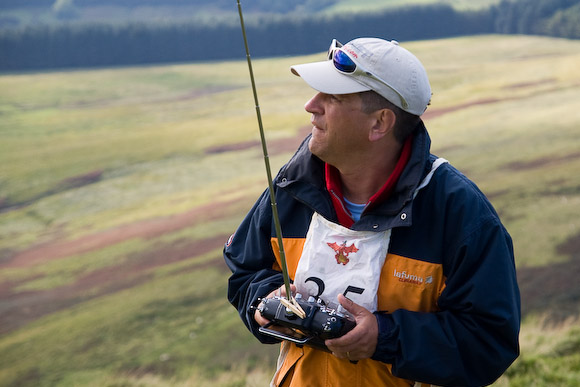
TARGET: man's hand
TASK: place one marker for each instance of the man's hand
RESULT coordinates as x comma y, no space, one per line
361,342
281,292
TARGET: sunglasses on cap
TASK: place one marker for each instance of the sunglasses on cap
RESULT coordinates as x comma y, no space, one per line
346,65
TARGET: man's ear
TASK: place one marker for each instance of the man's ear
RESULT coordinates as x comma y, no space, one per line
384,122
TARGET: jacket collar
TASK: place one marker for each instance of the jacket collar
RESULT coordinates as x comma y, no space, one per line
303,178
334,186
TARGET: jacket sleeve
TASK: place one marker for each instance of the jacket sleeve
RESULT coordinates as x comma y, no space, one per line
249,256
473,338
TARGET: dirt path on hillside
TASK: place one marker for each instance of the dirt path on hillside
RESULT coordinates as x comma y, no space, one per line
146,229
20,307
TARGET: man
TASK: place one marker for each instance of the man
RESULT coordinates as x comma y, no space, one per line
436,299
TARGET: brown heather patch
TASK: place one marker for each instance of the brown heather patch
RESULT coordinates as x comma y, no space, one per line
543,161
553,290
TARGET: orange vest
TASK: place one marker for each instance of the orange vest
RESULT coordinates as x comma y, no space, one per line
405,283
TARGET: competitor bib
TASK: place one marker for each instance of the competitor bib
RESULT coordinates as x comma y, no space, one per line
338,260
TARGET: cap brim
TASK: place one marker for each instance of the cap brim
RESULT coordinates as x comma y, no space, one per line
322,76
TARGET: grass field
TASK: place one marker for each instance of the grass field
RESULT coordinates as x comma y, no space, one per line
118,188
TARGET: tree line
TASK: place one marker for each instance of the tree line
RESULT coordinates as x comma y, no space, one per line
97,45
261,6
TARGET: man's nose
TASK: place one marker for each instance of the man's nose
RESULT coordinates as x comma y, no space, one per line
313,105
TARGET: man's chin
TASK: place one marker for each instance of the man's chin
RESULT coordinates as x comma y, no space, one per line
315,149
312,145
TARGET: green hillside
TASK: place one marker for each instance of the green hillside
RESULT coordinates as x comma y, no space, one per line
118,188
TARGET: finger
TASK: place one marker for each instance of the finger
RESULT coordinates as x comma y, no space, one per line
343,344
347,355
351,359
258,315
360,342
259,319
282,290
279,292
339,347
352,307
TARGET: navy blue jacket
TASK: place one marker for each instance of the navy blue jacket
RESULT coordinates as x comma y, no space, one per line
468,333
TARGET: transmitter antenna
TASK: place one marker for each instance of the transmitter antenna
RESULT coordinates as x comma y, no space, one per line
290,302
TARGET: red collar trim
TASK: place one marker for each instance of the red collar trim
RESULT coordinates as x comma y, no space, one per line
334,186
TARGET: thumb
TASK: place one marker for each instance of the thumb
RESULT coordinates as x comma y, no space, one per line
348,304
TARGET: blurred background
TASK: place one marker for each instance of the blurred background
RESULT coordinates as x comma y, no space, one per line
129,153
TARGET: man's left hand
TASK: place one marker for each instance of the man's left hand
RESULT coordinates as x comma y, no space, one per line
361,342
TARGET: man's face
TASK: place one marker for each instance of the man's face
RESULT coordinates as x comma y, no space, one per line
340,127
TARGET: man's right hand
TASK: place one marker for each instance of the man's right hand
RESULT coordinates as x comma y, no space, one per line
280,292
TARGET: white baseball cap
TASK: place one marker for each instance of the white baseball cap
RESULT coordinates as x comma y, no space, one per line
371,64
